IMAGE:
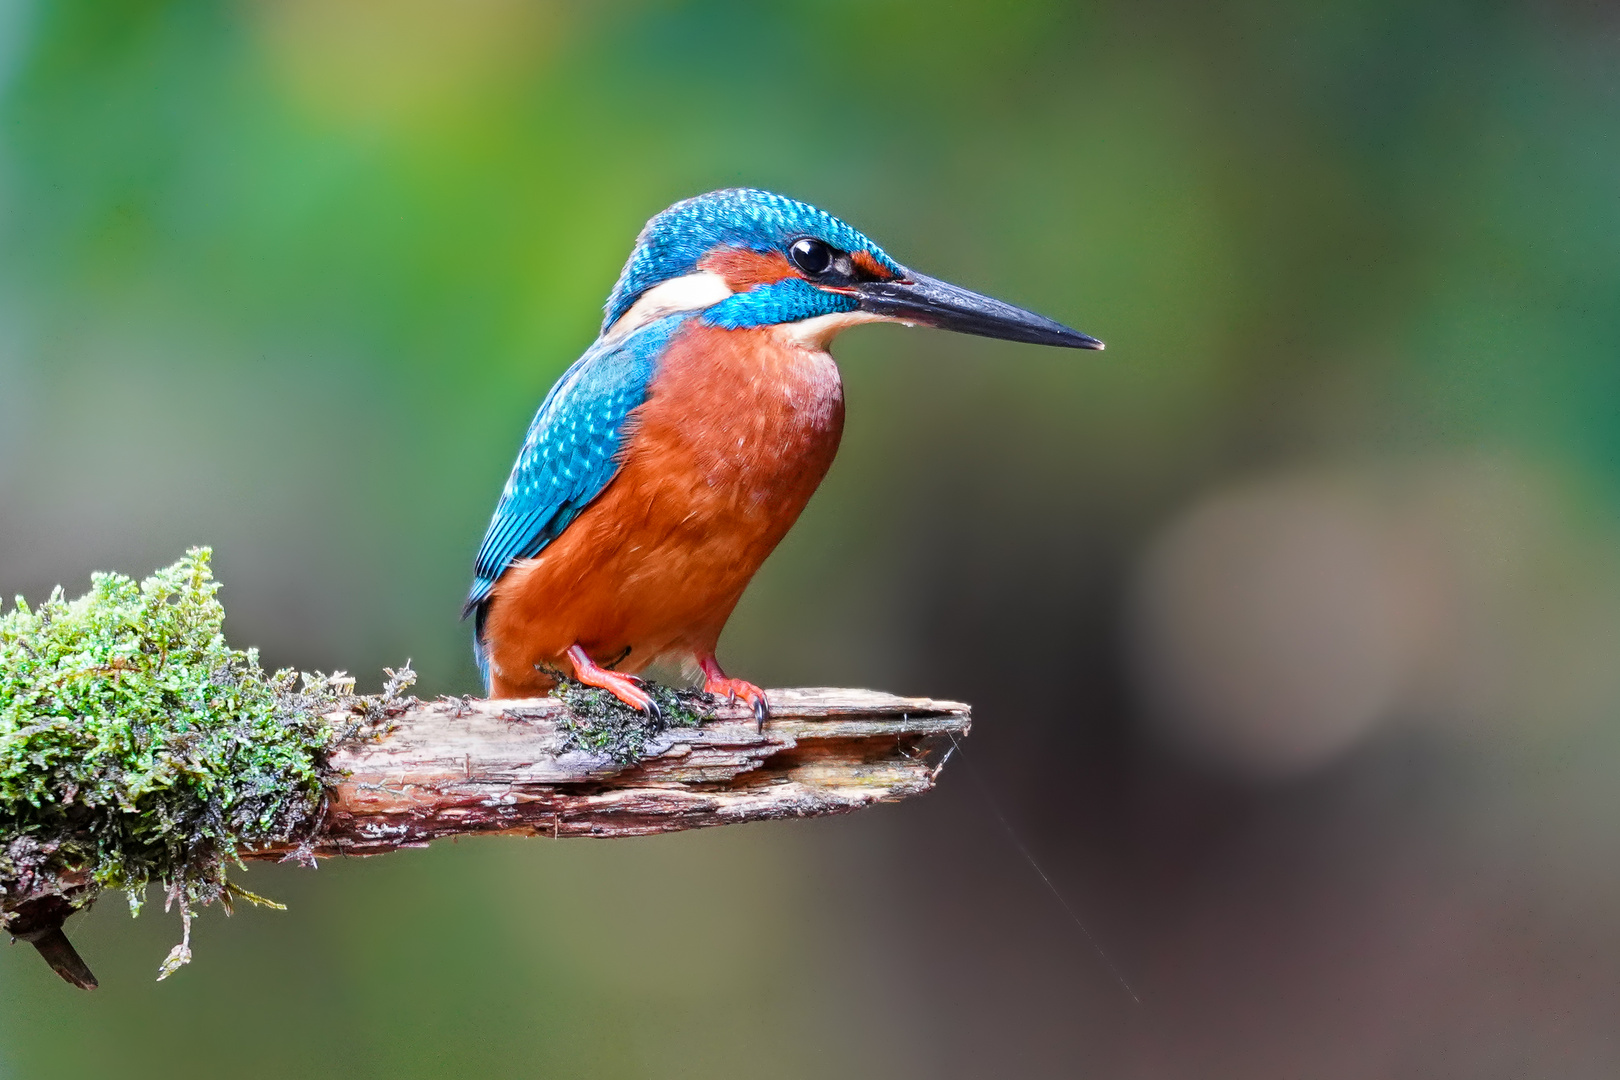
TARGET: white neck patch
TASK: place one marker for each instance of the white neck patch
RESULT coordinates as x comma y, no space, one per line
818,331
690,292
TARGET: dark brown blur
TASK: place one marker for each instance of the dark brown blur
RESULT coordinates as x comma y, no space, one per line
1291,621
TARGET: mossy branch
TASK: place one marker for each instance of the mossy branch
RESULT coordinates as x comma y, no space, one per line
461,766
136,747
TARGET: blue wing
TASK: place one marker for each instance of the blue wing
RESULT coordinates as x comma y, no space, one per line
570,453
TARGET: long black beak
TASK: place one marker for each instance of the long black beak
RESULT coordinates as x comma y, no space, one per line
918,298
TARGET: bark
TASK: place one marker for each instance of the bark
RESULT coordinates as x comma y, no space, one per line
456,768
461,767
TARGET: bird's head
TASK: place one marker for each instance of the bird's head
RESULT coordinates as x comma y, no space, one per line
748,258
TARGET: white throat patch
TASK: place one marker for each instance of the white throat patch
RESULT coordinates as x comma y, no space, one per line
817,332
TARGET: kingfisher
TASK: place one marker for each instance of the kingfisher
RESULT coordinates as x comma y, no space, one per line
671,458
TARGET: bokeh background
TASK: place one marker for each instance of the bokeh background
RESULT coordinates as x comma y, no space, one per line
1292,621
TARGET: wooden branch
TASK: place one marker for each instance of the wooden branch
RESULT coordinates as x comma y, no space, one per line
456,768
460,767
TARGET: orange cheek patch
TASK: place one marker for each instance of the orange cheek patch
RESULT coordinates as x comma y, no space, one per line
744,269
865,263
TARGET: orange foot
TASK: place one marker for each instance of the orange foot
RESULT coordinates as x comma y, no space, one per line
627,688
720,684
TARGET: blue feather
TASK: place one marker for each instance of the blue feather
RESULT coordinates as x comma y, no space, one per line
571,451
785,301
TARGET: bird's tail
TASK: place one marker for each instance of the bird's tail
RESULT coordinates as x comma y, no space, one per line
480,651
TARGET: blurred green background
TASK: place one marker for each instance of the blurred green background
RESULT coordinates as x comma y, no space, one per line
1292,621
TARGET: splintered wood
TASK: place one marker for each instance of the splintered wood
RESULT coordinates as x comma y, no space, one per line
459,768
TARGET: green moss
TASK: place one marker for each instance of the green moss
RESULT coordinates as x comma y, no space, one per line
136,746
599,723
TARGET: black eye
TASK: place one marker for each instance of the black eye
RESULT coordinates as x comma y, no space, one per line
811,256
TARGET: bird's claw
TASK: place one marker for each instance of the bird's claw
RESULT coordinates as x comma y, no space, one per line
627,688
627,691
734,690
650,705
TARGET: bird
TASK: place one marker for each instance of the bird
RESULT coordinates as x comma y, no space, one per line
670,459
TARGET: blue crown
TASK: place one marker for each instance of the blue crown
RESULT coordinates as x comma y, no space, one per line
673,242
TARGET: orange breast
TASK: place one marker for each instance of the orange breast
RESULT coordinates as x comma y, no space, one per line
738,430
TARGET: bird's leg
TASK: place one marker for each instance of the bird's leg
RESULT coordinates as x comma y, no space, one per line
718,683
624,687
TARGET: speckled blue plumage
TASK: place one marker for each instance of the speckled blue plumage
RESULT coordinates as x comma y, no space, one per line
569,454
674,241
